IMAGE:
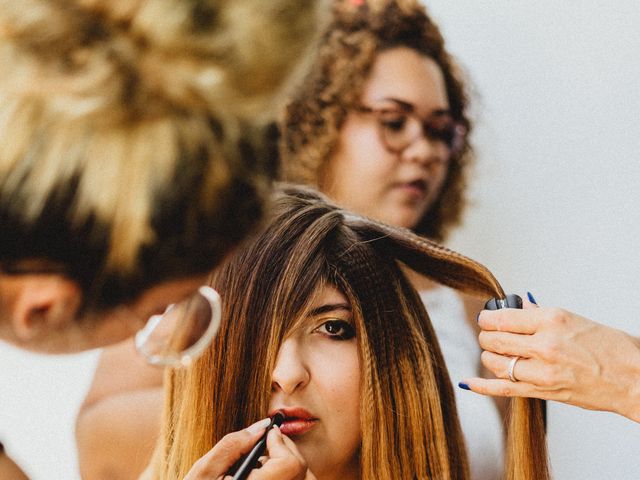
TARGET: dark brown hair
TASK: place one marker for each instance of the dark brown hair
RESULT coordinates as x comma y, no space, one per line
408,414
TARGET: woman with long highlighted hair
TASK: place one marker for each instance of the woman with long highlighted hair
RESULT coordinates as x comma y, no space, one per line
320,322
381,125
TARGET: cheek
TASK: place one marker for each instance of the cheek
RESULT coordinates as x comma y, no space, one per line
340,380
359,157
352,429
437,181
346,385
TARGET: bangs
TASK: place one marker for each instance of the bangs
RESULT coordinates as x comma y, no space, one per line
294,289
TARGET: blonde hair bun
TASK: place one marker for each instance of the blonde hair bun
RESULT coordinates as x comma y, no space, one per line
125,108
114,58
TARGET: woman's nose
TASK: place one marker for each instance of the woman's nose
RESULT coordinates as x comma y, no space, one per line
426,151
290,372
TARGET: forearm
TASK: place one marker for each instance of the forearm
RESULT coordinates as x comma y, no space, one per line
116,436
629,405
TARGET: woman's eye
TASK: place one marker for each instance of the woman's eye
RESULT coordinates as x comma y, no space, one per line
395,122
338,329
441,128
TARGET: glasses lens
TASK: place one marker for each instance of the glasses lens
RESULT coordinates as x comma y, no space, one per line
398,129
447,130
183,331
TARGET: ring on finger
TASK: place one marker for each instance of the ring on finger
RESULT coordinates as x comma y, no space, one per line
512,365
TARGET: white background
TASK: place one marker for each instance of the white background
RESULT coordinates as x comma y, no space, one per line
556,192
555,210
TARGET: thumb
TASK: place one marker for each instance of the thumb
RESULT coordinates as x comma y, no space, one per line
217,461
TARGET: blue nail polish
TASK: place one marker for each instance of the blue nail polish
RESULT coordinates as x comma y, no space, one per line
531,299
463,386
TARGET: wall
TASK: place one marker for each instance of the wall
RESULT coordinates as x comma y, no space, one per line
555,198
555,192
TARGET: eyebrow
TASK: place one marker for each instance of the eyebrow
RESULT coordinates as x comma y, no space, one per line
330,307
409,107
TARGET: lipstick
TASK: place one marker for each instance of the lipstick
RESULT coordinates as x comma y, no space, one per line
250,462
297,421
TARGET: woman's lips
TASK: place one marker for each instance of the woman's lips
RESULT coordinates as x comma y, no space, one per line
297,421
416,189
297,426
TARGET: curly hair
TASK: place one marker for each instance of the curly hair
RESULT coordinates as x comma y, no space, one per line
313,118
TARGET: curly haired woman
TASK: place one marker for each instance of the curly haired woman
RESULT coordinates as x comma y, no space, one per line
380,124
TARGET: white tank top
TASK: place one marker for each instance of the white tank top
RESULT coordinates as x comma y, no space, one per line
479,417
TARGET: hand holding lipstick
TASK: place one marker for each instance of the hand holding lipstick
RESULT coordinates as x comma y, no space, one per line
282,462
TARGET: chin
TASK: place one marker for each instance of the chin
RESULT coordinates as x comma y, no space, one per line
407,220
402,214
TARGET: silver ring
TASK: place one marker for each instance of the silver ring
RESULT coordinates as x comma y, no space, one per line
512,365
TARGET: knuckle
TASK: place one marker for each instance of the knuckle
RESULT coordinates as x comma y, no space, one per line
230,443
488,359
198,465
554,373
557,317
481,388
546,381
485,358
506,392
550,349
483,318
565,396
498,344
201,468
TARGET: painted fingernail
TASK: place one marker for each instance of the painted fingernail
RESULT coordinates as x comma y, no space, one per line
463,386
531,299
259,426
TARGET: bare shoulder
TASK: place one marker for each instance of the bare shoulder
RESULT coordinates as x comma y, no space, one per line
120,369
119,422
116,436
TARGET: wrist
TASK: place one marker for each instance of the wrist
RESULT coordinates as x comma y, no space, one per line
630,407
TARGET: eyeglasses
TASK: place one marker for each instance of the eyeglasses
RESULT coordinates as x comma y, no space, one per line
399,128
174,338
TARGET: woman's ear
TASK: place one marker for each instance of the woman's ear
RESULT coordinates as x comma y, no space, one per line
39,303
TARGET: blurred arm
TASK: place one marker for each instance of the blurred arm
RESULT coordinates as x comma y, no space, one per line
119,422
